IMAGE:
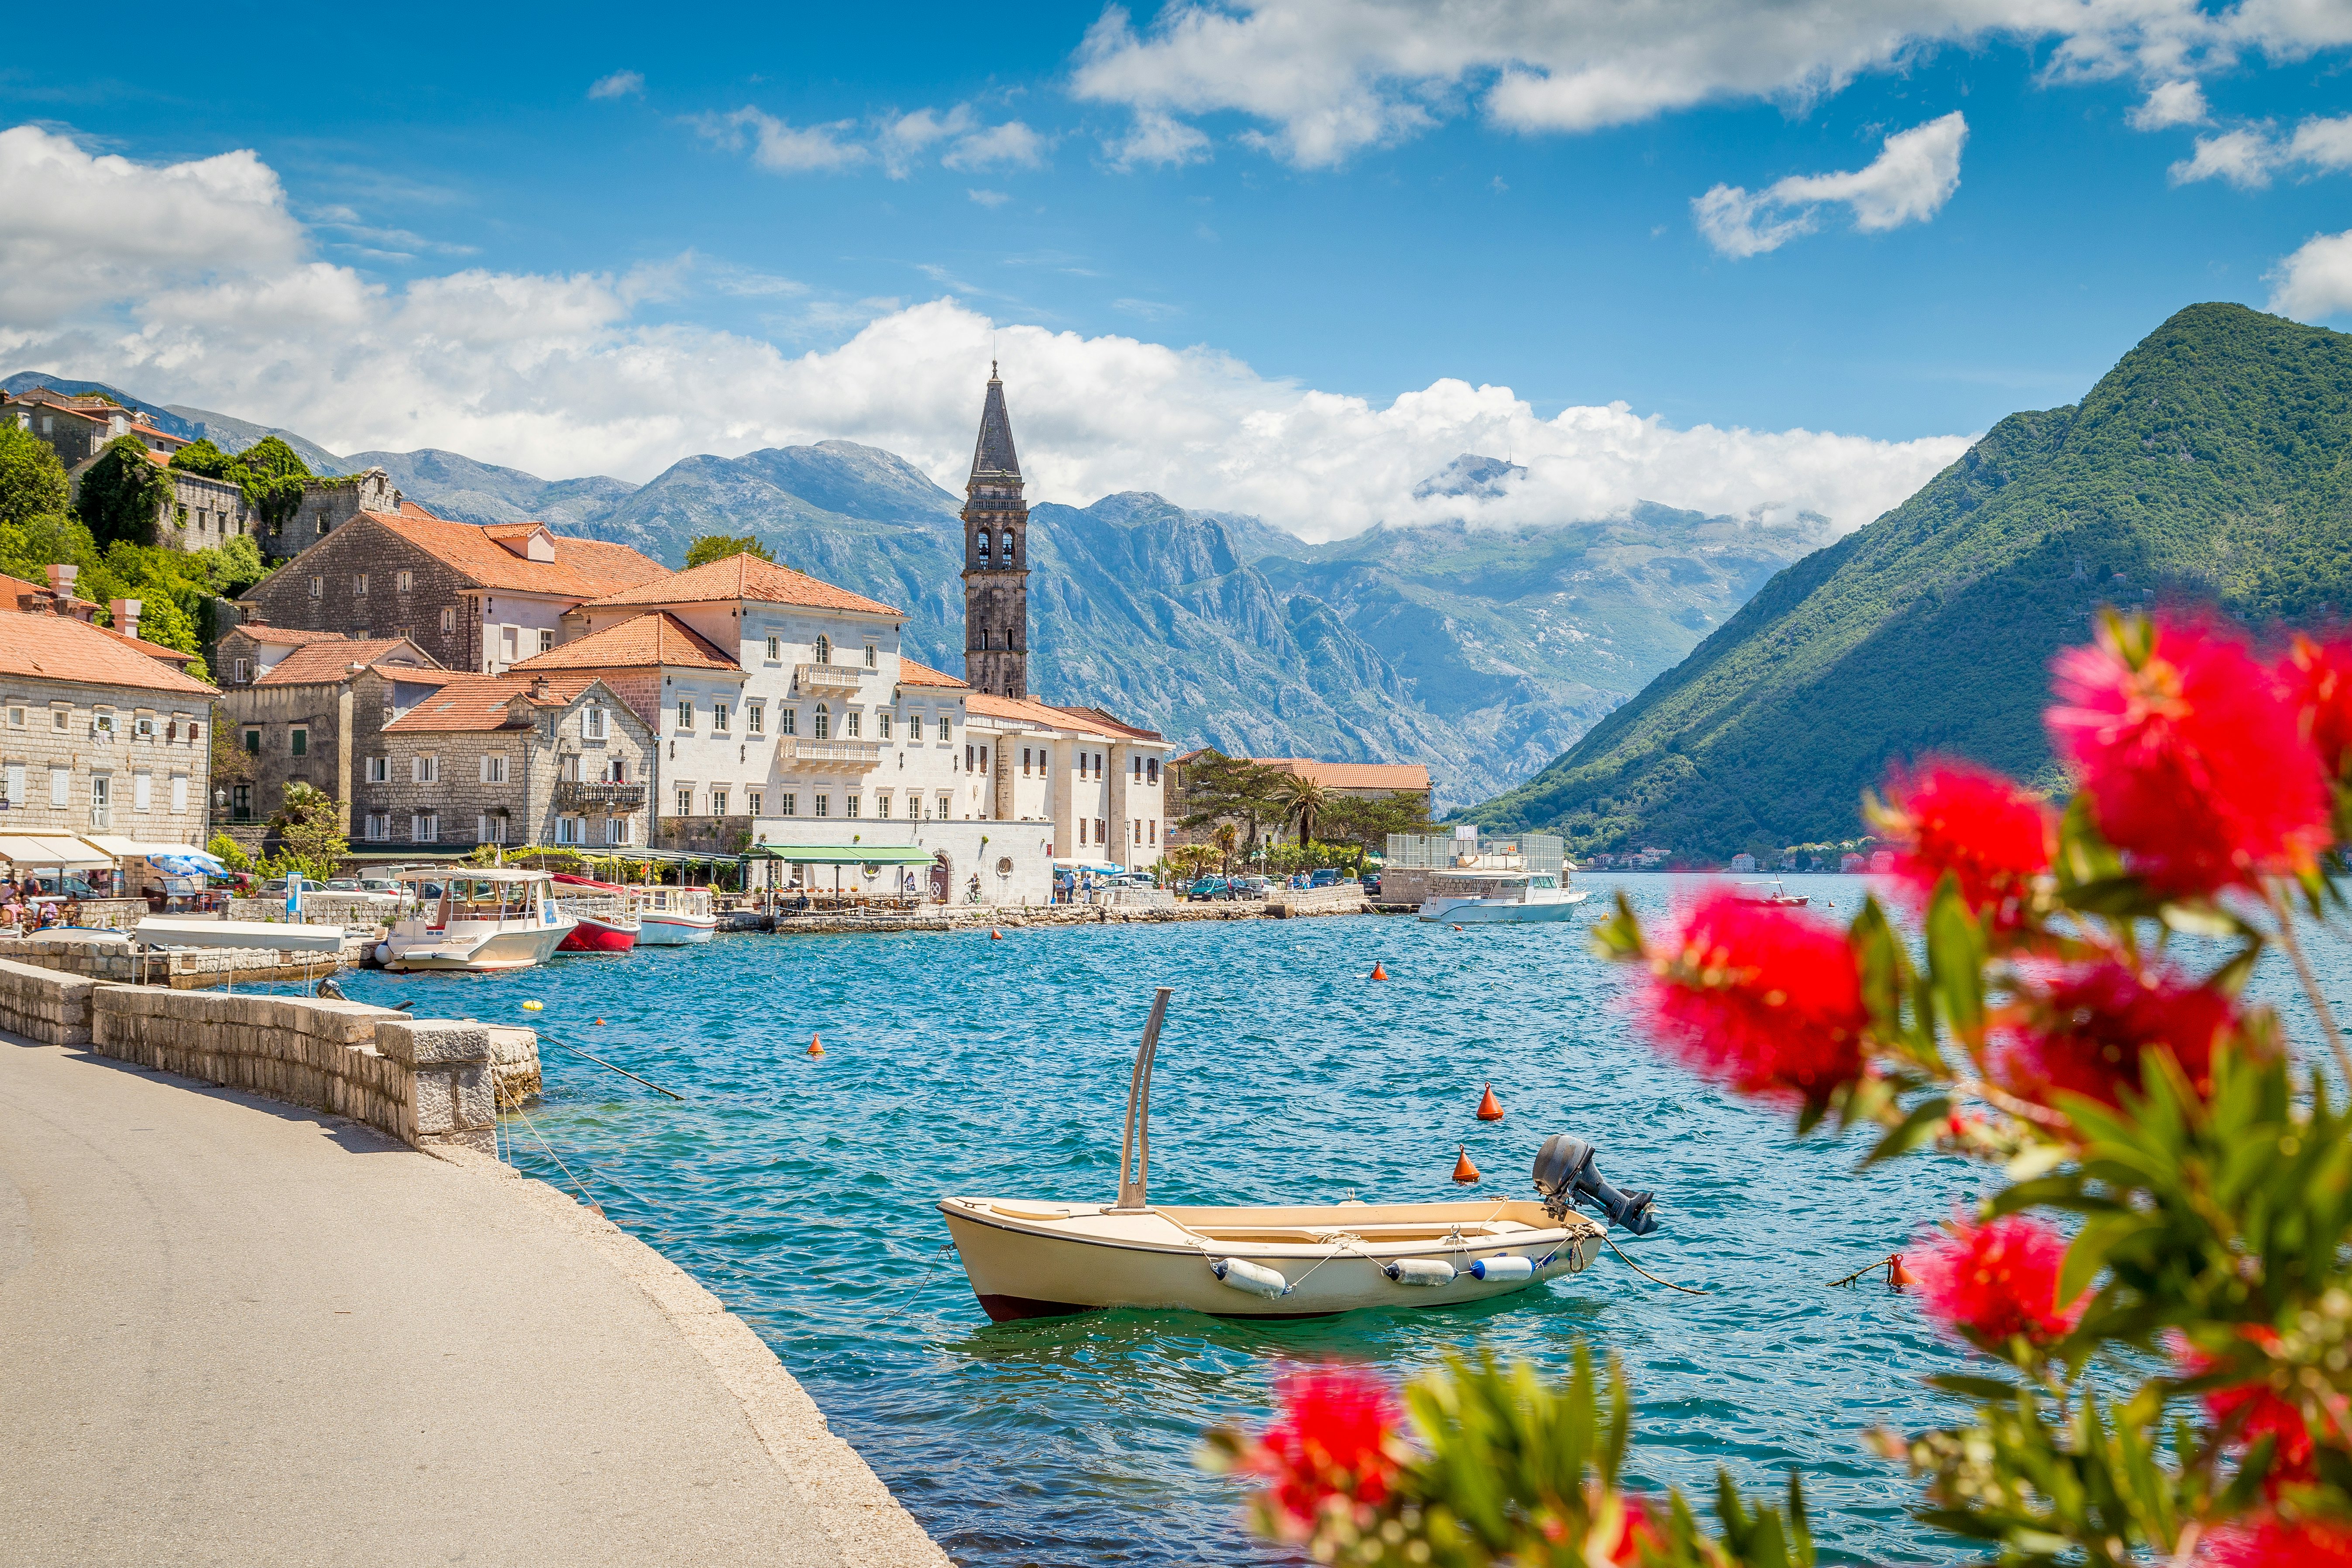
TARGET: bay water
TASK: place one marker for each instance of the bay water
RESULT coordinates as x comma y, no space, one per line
800,1190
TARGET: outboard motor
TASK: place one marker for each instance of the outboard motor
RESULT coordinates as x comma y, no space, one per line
1565,1176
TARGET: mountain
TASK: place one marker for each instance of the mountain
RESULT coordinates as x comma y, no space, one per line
472,492
2213,462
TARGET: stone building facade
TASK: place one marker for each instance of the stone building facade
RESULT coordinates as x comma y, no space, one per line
313,714
78,424
328,504
121,745
509,759
995,557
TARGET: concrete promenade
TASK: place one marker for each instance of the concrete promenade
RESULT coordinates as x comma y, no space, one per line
239,1332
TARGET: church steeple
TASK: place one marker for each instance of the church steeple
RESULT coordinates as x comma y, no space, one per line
995,556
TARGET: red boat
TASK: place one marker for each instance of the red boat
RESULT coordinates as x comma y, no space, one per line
607,923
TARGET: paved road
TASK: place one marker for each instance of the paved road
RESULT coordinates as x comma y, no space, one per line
236,1332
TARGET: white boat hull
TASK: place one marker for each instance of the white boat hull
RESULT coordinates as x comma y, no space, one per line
519,947
1031,1260
1487,911
662,930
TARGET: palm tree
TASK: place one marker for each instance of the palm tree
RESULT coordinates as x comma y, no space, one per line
1303,800
1227,836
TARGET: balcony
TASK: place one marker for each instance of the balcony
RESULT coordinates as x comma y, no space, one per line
828,677
597,794
829,756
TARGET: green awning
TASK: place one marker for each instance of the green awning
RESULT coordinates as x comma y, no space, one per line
840,853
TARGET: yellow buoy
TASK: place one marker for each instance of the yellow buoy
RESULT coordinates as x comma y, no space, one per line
533,1006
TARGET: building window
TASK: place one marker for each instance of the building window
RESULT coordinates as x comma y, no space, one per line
686,715
546,639
685,801
425,827
947,804
101,800
1152,771
322,525
882,802
298,741
1024,762
494,768
16,718
379,826
1082,831
1151,825
240,801
568,769
882,723
244,668
718,803
102,724
775,650
402,582
616,830
570,829
317,587
823,725
359,583
61,717
849,723
449,622
179,792
490,827
824,649
788,721
142,790
616,771
984,541
967,759
870,656
142,727
195,731
753,801
755,719
253,742
720,717
60,787
12,783
425,769
591,722
1139,768
824,805
1008,560
379,770
849,806
1101,831
788,805
943,729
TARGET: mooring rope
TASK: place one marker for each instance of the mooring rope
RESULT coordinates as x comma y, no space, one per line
1687,1290
576,1183
600,1061
928,1269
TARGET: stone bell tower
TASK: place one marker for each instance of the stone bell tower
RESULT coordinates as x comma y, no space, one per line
995,557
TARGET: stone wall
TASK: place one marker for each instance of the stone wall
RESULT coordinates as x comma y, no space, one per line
1347,898
356,915
111,957
43,1004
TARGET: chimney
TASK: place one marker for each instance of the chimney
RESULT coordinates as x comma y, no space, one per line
61,582
126,614
253,617
538,689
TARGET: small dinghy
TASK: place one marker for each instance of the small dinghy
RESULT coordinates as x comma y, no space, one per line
1027,1258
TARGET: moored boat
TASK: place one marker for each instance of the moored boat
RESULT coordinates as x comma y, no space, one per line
672,917
1027,1258
1484,896
476,918
1772,893
607,923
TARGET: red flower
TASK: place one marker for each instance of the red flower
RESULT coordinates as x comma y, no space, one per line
2321,675
1763,999
2085,1031
1993,837
2192,756
2277,1543
2261,1413
1636,1529
1996,1280
1335,1438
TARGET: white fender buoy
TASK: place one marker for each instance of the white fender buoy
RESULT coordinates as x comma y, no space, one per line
1504,1269
382,953
1255,1277
1421,1271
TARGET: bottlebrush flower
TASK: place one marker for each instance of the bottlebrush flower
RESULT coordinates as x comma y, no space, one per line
2321,675
1994,838
1996,1280
1335,1436
1756,997
1620,1541
2193,757
2277,1543
2083,1032
2260,1412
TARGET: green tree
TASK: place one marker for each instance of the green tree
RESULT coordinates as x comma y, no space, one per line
1302,801
229,853
310,834
123,493
720,546
32,481
1365,823
271,473
1222,788
204,457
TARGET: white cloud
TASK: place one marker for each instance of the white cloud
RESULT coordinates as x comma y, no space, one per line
1915,173
1159,139
2316,280
2248,156
566,375
1332,77
781,148
989,198
620,84
2168,104
1010,143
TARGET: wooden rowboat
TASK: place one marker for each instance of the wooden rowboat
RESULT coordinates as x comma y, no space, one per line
1027,1258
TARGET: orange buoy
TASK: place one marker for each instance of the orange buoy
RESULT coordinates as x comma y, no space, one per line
1457,928
995,935
600,1020
1464,1171
1489,1108
1897,1275
1379,972
816,1045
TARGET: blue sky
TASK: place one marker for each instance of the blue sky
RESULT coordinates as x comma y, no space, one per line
1446,234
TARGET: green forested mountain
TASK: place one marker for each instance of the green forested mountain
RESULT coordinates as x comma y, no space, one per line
2214,461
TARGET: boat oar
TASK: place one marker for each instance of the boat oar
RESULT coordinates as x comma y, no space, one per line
608,1066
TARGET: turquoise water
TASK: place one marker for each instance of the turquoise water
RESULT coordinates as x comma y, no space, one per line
801,1192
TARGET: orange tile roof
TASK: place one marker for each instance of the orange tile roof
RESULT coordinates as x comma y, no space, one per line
1111,722
152,650
913,674
59,647
657,638
747,577
14,588
284,633
1411,776
582,568
481,701
1039,714
322,662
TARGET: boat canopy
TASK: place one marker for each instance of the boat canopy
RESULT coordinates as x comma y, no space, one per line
472,874
157,930
842,854
1063,864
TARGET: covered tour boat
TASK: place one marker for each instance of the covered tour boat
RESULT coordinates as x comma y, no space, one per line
672,917
478,919
1517,879
1031,1259
607,923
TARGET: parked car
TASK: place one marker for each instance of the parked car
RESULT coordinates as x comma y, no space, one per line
1210,888
1327,877
66,887
1252,887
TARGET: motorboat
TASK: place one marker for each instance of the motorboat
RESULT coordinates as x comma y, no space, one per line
672,917
1772,893
1465,898
607,923
478,919
1032,1258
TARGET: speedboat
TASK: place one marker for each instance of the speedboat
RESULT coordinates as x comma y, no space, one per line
1031,1259
1772,893
1484,896
607,924
672,917
478,919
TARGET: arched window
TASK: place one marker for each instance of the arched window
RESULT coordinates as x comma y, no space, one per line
1008,547
824,722
823,651
983,547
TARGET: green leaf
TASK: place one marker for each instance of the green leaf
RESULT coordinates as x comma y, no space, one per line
1617,938
1983,1390
1918,1127
2088,1254
1956,959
